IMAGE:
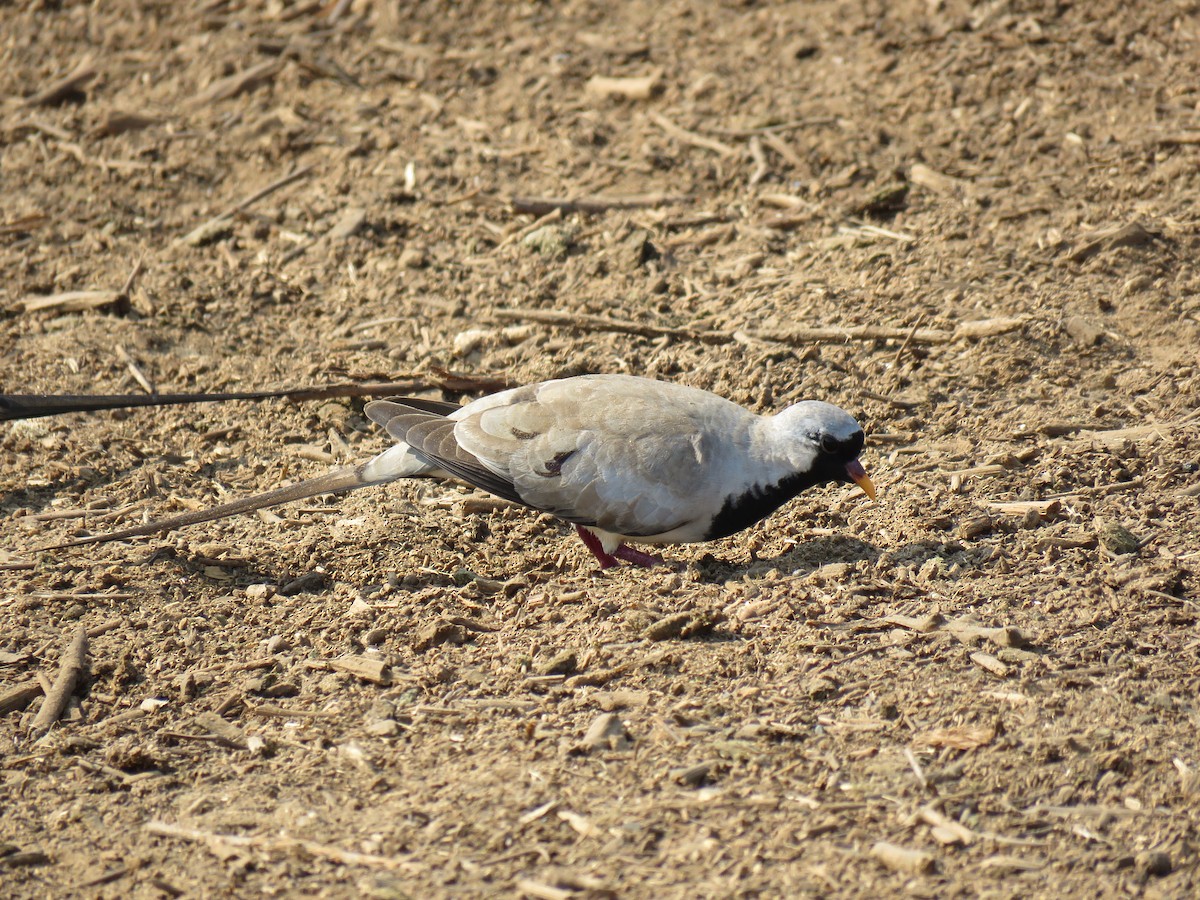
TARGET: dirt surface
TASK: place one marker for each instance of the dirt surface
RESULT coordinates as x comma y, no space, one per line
402,692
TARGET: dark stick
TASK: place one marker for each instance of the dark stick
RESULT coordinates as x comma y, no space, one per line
33,406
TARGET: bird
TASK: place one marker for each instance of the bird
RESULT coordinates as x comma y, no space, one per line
625,459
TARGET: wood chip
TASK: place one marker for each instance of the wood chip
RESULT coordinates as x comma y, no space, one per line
683,625
350,222
1044,510
974,527
923,176
793,336
1133,234
1135,435
24,224
270,710
536,813
922,625
944,829
983,328
19,696
971,632
694,775
440,631
542,891
368,668
580,823
206,232
607,731
963,737
23,858
1001,864
990,663
638,88
223,842
228,733
902,859
72,301
542,206
690,137
116,122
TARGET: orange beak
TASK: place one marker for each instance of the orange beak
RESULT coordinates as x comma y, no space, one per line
859,476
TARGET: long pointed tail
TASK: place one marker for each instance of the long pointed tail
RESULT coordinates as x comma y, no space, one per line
335,482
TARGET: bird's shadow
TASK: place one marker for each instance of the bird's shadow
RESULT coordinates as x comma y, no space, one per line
809,556
801,559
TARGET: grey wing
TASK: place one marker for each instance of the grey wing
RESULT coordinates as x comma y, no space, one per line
423,425
642,485
606,453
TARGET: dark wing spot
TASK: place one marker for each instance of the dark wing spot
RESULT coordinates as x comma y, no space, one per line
522,435
554,466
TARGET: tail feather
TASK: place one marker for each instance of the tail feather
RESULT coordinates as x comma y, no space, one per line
398,461
335,482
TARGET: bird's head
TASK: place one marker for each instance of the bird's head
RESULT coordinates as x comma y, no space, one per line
824,440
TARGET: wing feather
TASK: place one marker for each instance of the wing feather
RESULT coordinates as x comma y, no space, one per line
626,455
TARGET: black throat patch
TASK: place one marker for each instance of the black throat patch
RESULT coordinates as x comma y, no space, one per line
743,510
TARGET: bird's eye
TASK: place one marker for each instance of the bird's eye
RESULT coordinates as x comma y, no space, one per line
829,444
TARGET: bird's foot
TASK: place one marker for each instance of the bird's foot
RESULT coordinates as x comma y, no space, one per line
606,560
637,557
623,552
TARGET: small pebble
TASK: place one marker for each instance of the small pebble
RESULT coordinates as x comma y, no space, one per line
1116,538
693,776
383,728
414,258
550,240
562,663
375,637
276,643
606,731
1153,862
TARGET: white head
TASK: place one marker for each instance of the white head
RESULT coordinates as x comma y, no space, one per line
823,440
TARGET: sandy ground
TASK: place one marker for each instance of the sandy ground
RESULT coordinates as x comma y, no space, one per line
973,225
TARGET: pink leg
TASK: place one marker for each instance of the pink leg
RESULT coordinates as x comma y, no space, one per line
637,557
607,560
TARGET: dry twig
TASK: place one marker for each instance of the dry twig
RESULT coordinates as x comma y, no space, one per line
202,233
540,206
585,322
72,301
218,842
59,90
690,137
33,406
71,668
239,82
